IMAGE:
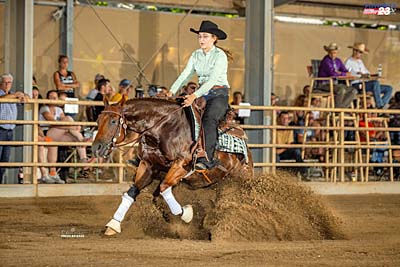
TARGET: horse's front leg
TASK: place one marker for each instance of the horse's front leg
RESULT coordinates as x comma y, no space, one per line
142,179
174,175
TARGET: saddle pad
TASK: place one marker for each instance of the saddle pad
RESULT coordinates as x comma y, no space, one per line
231,144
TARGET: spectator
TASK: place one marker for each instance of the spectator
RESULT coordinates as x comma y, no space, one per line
125,87
64,79
104,88
59,133
299,117
41,137
286,137
92,93
332,66
395,120
237,99
8,111
189,89
357,68
306,90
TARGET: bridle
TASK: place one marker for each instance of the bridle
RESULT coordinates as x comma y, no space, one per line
122,126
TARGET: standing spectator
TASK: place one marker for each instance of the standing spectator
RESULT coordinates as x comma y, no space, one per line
357,68
8,111
64,79
332,66
124,88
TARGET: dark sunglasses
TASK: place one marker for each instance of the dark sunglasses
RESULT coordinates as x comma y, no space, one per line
193,87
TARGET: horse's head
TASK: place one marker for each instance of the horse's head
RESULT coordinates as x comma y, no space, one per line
111,128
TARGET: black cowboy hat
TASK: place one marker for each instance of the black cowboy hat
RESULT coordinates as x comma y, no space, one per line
210,27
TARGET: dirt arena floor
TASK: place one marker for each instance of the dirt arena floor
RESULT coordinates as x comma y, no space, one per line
278,224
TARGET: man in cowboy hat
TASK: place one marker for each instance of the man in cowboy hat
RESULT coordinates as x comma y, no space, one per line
332,66
357,68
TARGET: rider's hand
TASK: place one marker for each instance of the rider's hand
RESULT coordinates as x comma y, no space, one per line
169,94
189,100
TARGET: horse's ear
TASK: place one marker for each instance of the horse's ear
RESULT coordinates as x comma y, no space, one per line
122,101
105,101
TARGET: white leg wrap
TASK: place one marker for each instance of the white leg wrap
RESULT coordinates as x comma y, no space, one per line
123,208
173,205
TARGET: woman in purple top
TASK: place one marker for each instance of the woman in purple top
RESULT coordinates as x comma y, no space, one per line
332,66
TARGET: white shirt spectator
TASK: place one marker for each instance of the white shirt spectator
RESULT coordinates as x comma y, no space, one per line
356,67
57,116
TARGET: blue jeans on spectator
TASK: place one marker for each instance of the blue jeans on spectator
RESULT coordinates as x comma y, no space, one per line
378,89
5,135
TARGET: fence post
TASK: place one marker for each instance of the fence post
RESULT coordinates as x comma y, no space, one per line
35,153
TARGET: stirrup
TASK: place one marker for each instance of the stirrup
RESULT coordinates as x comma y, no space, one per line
200,166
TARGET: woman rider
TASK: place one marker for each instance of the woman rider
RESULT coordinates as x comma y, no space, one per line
210,63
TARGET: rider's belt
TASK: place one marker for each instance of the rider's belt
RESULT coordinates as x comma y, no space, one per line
219,86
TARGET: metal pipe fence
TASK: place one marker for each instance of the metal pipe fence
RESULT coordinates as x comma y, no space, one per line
339,145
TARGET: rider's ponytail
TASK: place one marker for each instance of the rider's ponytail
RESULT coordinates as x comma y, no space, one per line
227,52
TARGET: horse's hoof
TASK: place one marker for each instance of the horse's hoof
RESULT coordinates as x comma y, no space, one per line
110,232
113,227
187,214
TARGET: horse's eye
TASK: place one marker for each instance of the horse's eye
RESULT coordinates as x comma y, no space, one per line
113,121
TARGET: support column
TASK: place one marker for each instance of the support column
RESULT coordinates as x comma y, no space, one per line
18,41
67,32
259,71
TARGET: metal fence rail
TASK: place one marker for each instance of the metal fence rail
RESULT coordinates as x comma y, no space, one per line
33,105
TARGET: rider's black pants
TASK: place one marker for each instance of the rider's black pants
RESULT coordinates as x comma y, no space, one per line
215,110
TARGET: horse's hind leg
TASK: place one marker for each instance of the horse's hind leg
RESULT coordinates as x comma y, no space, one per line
142,179
174,175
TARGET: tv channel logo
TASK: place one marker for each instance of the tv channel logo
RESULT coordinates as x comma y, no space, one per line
379,9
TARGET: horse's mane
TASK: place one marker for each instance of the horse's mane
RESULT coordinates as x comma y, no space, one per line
167,102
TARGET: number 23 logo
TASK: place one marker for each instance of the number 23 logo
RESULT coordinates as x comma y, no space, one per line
384,11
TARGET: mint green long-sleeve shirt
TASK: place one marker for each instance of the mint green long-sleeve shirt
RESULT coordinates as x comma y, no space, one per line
211,68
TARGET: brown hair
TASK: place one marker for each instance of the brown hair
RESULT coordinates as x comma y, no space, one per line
226,51
61,57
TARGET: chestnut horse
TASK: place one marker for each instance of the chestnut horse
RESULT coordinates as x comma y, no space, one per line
165,144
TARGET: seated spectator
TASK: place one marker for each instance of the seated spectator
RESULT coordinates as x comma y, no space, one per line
285,136
316,103
59,133
64,79
313,135
332,66
237,99
104,88
357,68
395,120
299,117
124,89
162,92
92,93
189,89
306,90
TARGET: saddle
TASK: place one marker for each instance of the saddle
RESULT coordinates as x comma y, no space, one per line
227,126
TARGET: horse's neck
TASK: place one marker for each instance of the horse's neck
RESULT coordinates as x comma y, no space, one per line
147,115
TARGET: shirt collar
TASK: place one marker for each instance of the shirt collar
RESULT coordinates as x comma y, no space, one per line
211,50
